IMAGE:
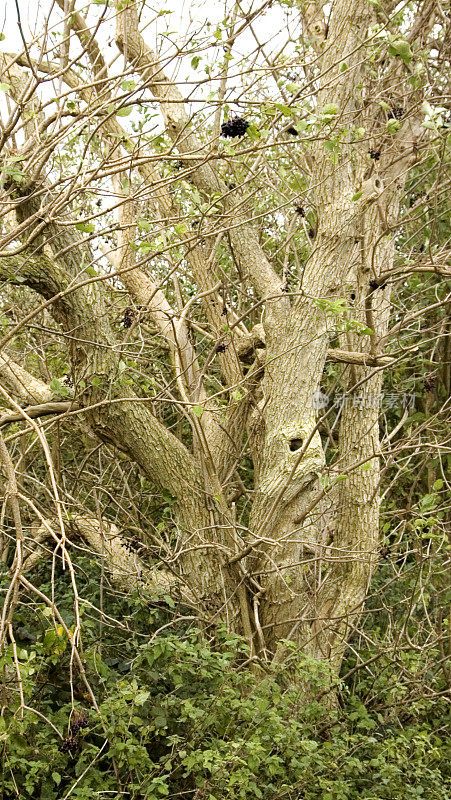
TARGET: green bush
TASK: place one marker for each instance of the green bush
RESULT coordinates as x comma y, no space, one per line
181,718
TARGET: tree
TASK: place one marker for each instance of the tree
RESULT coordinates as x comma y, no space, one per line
213,238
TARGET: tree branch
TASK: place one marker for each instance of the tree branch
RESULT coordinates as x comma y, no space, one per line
246,246
130,427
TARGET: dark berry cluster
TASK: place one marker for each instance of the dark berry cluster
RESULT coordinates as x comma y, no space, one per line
374,154
132,545
78,724
376,285
416,197
69,745
220,348
396,112
235,126
300,211
129,316
68,381
70,742
292,131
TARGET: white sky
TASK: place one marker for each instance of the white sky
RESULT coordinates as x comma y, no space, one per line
187,19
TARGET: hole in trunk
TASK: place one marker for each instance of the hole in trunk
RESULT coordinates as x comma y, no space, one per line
295,444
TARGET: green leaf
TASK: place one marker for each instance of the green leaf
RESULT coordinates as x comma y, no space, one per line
357,196
197,411
286,110
141,697
124,112
58,388
253,132
55,775
393,125
146,247
293,87
401,48
85,227
329,112
195,61
5,87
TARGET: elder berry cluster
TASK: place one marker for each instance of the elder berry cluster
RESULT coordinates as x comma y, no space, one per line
376,285
78,724
128,318
69,745
236,126
396,112
70,742
374,154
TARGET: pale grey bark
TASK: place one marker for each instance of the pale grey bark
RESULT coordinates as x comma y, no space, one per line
303,568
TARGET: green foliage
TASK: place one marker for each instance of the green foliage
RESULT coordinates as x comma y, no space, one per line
181,717
402,49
